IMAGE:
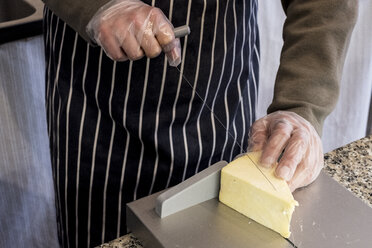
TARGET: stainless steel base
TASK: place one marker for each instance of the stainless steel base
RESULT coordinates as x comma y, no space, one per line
328,216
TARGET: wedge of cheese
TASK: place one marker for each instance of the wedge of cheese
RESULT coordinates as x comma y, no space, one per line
245,189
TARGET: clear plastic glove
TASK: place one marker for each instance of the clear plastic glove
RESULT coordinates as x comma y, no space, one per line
130,29
302,159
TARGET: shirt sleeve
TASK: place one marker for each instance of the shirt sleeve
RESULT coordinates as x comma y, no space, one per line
76,13
316,35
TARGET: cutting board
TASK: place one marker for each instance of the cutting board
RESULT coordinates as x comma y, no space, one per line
189,215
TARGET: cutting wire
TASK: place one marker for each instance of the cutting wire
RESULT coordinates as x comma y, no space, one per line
216,117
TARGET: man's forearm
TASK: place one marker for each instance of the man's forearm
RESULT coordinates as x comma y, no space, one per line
316,35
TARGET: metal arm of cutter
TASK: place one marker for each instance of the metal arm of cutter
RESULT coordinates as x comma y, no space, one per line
199,188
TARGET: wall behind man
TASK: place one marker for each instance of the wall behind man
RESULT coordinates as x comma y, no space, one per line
348,122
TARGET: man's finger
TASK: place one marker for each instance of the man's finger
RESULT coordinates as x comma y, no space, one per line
173,52
112,48
161,27
293,154
302,177
132,48
280,134
258,135
150,45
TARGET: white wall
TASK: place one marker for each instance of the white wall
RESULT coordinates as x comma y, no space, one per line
348,122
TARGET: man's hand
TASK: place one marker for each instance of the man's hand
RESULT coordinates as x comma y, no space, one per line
290,134
130,29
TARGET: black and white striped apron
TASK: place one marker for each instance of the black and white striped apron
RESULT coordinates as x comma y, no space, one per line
123,130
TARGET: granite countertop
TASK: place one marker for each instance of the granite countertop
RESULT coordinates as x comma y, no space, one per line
350,165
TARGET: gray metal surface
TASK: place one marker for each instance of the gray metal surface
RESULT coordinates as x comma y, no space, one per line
328,216
208,224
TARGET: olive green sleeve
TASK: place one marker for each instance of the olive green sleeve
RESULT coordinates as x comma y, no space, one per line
316,35
76,13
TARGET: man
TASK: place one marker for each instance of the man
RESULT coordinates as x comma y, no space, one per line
122,130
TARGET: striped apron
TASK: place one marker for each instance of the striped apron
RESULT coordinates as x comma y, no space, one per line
120,131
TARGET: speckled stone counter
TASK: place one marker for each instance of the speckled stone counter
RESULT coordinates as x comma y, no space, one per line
350,165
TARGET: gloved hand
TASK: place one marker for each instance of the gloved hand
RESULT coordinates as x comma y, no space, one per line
302,159
130,29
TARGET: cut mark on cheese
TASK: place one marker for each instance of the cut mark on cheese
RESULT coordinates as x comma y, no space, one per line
258,168
245,189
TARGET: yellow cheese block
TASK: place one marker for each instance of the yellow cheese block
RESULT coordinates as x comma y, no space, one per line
246,190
